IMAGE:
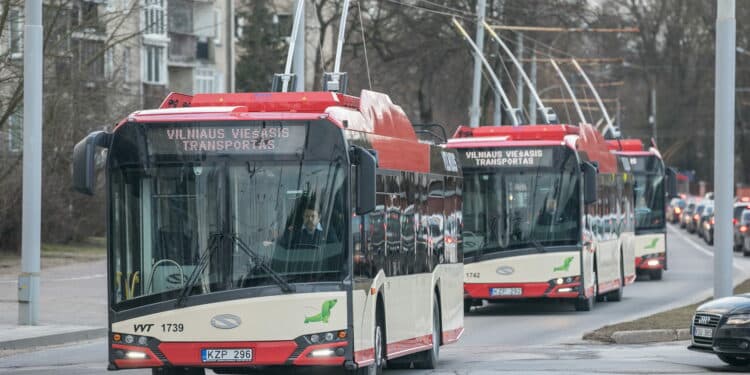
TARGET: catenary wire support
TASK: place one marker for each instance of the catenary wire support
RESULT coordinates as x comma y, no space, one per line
569,89
298,15
549,116
513,112
609,127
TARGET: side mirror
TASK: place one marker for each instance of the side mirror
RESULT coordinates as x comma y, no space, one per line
671,183
366,164
589,182
84,154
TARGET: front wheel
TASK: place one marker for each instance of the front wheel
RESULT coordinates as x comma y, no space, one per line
430,357
376,368
734,360
587,304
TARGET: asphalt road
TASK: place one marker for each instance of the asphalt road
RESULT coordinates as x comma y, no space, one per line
514,338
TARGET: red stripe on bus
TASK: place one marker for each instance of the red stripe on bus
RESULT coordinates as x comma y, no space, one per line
409,346
451,336
264,353
609,286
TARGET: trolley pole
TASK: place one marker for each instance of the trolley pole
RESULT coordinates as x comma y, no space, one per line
519,83
299,51
475,93
726,25
28,280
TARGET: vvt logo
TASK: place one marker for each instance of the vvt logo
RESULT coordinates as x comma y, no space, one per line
142,327
226,321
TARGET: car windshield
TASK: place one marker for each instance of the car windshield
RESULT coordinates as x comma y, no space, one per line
739,209
745,217
676,202
521,208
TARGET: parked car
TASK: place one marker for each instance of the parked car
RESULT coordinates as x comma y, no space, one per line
687,214
720,327
694,219
743,229
708,230
739,233
708,212
676,206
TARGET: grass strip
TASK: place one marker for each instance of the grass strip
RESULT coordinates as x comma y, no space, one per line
677,318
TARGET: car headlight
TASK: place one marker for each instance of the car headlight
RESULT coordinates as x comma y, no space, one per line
738,320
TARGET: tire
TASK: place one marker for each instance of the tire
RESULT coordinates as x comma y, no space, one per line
734,360
378,344
745,253
429,358
655,274
587,304
178,371
467,305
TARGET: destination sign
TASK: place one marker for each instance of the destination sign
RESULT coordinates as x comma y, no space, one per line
525,157
645,164
226,139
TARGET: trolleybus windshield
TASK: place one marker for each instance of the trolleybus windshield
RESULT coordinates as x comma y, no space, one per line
649,192
520,205
231,218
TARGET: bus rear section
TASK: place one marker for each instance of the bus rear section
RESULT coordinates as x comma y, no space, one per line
232,231
529,232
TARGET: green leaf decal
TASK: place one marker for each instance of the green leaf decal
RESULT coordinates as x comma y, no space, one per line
325,313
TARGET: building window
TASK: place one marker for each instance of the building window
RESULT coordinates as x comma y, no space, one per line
154,65
205,81
15,34
154,17
15,131
91,59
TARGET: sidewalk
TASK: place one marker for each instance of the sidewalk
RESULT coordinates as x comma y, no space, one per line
72,306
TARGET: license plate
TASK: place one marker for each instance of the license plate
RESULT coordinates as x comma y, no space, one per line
227,355
495,292
703,332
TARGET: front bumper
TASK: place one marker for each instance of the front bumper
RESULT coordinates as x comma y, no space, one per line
528,290
726,340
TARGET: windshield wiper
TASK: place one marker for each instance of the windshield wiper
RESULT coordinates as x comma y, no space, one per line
538,245
283,284
214,240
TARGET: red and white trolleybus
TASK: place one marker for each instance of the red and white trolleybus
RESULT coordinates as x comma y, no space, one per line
289,229
547,214
651,187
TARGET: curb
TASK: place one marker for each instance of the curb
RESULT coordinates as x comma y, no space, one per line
54,339
650,336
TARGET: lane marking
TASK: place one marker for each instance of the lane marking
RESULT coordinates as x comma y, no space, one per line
700,248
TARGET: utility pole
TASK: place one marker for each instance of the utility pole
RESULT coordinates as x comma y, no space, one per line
229,23
33,56
299,51
519,80
726,26
477,87
532,102
653,109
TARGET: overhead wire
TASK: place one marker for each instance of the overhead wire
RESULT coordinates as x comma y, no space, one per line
364,44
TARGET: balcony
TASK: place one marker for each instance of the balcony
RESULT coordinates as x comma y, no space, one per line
183,49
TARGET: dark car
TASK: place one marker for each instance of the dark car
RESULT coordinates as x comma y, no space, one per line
687,214
676,206
694,219
744,230
722,327
708,230
739,233
708,212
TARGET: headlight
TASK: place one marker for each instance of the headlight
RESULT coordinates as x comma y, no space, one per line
738,320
